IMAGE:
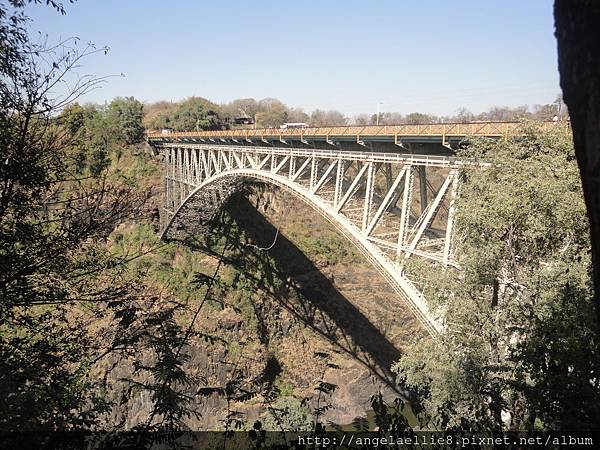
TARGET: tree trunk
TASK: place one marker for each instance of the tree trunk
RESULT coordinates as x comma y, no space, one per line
578,34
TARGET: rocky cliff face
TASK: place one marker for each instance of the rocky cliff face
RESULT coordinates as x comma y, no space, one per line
294,307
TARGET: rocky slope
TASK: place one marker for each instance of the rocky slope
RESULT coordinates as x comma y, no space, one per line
294,307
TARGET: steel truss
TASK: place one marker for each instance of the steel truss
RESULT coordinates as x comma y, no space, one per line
368,197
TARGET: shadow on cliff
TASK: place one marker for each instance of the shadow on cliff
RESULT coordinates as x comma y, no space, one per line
317,303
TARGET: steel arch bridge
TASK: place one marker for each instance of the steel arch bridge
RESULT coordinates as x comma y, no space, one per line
374,214
390,190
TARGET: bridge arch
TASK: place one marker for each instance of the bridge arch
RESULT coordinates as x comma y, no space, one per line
230,180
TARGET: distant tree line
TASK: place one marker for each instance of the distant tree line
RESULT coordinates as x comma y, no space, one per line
197,113
194,113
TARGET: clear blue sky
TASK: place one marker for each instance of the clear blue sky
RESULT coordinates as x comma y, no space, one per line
413,55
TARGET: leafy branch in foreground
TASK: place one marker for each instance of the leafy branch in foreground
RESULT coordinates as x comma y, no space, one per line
54,218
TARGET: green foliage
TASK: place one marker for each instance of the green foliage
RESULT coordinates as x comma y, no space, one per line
44,373
74,117
389,418
328,249
91,139
55,211
521,345
271,113
138,170
100,138
319,118
418,118
195,113
288,414
125,114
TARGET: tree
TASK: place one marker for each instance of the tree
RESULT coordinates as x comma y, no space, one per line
521,348
52,220
288,414
577,25
504,114
192,114
320,118
416,118
157,115
126,114
362,120
463,115
389,118
297,115
271,113
196,113
556,110
73,118
242,107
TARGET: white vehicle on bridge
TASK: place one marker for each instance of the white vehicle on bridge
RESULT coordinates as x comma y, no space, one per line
294,125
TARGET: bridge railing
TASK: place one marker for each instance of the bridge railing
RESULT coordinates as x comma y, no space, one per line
487,129
399,158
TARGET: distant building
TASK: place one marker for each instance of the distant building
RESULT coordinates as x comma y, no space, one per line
243,120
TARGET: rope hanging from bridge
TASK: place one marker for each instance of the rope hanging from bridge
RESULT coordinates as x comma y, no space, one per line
270,246
285,213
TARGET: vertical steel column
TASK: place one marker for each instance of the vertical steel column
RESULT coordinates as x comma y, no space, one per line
174,185
405,213
182,168
353,187
201,165
214,159
186,165
292,166
246,159
195,167
243,159
204,163
171,175
339,181
423,187
167,179
219,160
390,198
388,175
313,172
429,216
252,160
178,173
451,214
212,170
368,195
175,178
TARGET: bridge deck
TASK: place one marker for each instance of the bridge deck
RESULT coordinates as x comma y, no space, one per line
438,132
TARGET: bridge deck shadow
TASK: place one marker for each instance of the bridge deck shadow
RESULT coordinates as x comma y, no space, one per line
319,304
